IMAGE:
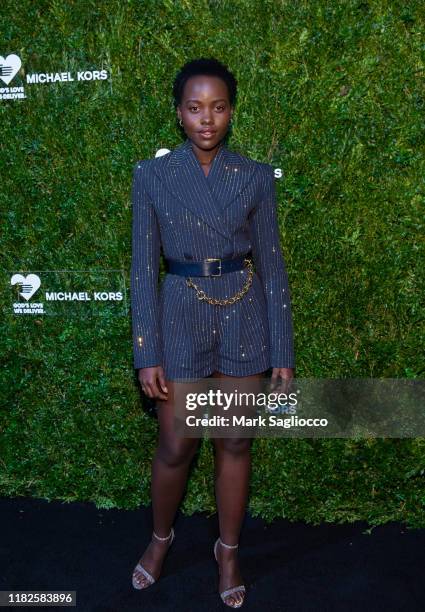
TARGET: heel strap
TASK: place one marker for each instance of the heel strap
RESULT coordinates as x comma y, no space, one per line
227,545
164,539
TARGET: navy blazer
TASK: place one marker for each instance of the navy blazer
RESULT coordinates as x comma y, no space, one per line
227,213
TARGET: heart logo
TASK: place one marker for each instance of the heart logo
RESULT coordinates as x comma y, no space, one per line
9,66
30,284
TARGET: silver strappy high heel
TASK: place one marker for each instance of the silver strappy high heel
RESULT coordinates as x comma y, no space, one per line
142,570
232,590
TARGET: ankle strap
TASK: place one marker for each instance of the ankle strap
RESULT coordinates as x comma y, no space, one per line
227,545
163,539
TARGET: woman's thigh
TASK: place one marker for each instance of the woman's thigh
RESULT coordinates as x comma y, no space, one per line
244,384
176,445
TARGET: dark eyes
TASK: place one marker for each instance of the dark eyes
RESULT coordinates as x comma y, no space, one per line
219,107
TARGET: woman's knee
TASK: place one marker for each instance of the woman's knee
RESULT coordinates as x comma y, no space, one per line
176,452
233,446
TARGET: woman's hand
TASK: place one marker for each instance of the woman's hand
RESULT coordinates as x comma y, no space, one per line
286,375
149,378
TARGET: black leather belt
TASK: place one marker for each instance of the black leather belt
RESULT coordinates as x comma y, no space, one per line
208,267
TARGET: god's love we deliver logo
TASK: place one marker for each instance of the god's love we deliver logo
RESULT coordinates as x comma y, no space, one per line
54,292
11,65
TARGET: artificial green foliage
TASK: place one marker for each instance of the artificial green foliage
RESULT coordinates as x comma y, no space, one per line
332,93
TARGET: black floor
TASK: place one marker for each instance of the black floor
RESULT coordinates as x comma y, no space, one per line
286,566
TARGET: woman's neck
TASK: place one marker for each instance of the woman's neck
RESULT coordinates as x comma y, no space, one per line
205,158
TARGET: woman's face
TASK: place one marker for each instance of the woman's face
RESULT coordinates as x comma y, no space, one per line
205,110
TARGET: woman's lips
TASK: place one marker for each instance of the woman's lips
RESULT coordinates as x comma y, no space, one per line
207,134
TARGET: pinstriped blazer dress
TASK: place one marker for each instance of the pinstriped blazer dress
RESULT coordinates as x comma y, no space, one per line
192,216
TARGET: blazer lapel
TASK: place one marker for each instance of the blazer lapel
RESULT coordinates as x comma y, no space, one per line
206,197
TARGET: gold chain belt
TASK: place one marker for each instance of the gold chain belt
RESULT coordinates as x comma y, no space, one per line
201,295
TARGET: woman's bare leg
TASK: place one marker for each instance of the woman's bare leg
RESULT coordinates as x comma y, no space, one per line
170,467
232,474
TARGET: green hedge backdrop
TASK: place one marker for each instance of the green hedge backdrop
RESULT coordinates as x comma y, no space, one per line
330,92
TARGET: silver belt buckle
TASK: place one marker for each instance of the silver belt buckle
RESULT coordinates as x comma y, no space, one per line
215,259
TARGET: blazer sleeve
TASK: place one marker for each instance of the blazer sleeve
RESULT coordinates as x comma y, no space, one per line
270,267
146,246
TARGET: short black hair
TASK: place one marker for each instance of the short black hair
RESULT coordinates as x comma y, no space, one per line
204,66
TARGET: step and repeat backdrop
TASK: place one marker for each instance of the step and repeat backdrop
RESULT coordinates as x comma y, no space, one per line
332,95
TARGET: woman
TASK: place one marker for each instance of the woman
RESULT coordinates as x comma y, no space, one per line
208,207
